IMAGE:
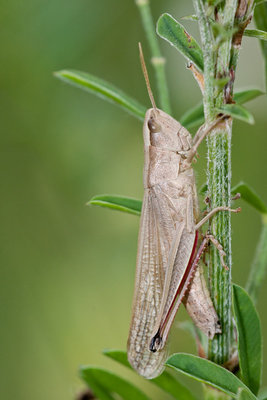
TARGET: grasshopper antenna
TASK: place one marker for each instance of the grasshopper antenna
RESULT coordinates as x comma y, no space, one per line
143,64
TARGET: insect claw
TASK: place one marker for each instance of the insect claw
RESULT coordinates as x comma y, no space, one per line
207,200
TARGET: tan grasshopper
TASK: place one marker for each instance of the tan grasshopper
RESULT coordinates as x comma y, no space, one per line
168,243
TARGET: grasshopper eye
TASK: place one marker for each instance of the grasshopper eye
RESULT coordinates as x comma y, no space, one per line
153,126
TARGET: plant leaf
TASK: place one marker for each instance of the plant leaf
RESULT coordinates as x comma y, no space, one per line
260,16
249,339
206,371
257,2
110,383
221,33
195,116
120,203
172,31
263,391
101,88
165,381
98,390
246,95
192,17
237,111
257,33
250,196
243,395
203,189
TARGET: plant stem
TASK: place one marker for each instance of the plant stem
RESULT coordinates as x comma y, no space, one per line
208,55
219,189
219,192
157,60
259,265
218,175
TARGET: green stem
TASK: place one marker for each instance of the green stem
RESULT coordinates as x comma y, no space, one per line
157,60
208,55
219,191
224,52
218,175
259,265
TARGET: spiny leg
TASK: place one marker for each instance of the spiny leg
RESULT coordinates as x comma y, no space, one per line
211,238
219,247
213,212
159,339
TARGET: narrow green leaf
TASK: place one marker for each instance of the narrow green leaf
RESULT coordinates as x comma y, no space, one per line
102,89
246,95
172,31
260,17
221,33
263,391
118,355
203,190
250,196
220,83
120,203
110,383
258,2
249,339
98,389
243,395
237,111
165,381
257,33
195,116
192,17
206,371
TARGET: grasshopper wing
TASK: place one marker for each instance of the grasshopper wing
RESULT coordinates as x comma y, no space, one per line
161,238
149,283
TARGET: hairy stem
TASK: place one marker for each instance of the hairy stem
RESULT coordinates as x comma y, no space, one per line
216,65
208,55
157,60
259,265
219,192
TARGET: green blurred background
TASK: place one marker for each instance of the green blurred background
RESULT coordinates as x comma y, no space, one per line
67,270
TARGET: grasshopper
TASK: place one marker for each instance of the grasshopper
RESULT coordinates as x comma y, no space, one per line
168,242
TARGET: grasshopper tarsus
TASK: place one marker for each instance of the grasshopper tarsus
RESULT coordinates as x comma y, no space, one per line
207,200
219,247
237,210
237,196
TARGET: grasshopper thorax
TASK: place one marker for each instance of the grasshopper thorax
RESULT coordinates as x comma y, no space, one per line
163,131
